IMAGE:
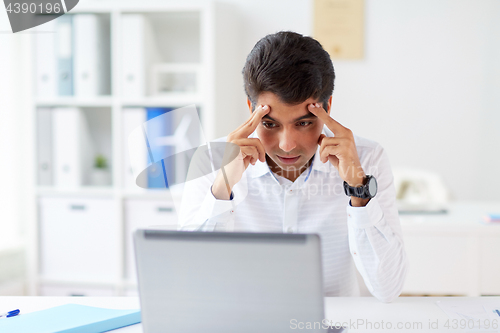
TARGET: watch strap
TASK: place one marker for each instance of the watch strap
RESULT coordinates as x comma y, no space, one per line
360,191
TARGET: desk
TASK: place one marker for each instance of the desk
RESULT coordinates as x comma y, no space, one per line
342,309
454,253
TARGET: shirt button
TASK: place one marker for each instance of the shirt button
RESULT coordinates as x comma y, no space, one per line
290,230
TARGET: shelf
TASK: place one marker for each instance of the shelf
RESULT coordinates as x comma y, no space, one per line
93,191
133,7
175,100
104,101
90,191
189,38
147,194
74,282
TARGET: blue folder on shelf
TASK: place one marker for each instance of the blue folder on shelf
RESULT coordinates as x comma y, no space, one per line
159,171
72,318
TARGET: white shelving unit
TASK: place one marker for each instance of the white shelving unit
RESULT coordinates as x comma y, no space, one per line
201,34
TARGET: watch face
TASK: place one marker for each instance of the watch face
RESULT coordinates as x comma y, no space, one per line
372,186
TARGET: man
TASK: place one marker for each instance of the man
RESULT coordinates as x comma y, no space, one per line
294,168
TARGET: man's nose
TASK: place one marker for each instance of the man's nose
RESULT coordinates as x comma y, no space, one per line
287,141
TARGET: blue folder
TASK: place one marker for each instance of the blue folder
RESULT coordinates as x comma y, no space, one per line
65,61
70,318
162,168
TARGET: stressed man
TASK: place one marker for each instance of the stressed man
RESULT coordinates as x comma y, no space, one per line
299,171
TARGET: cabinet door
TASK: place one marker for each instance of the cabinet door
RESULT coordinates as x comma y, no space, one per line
141,213
79,239
490,265
441,265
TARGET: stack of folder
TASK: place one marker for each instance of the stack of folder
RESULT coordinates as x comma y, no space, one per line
72,318
73,57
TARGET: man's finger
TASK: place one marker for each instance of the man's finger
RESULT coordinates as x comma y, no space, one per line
317,110
329,151
248,119
321,137
255,143
251,124
329,141
250,154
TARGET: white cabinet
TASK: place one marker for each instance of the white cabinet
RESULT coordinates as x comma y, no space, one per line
490,265
140,214
454,253
79,239
441,265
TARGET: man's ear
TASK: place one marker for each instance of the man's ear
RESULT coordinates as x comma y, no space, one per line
249,105
329,105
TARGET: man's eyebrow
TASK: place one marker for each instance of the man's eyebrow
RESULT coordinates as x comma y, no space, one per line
306,116
268,117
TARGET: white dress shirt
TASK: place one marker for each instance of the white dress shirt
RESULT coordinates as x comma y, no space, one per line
367,238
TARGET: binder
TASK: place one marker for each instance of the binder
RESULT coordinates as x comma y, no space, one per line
45,62
139,51
64,55
44,146
91,55
133,118
162,168
72,318
72,148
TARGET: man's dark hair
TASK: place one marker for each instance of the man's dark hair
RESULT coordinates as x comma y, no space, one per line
292,66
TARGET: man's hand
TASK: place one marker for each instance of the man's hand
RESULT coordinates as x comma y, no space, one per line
340,151
251,150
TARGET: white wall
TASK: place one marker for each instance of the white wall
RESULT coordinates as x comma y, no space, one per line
16,170
427,88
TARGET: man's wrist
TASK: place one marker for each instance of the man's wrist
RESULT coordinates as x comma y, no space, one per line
357,182
220,193
358,202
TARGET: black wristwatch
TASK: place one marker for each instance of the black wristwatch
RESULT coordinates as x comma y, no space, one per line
367,191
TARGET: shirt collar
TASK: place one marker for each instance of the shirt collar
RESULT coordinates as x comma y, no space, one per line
262,168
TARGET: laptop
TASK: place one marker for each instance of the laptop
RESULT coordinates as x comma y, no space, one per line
229,282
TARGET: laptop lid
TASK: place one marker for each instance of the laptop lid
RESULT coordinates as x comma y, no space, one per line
228,282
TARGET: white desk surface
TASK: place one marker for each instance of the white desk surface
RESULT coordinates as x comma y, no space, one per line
463,218
339,309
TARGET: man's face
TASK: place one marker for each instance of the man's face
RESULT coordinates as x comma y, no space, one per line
289,134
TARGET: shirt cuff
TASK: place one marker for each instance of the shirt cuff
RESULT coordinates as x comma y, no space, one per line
219,206
365,217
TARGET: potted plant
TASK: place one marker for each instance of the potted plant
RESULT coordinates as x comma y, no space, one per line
100,175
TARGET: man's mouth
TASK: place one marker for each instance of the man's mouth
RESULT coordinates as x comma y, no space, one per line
288,159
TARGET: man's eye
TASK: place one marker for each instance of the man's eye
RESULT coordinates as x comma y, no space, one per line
268,125
304,123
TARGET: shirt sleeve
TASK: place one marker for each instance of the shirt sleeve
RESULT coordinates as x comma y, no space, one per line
375,236
200,210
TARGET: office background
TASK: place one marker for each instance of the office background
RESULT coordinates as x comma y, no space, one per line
426,89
